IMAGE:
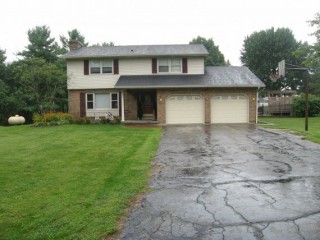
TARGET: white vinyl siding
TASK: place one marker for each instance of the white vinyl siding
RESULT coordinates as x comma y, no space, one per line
135,66
184,109
77,80
127,66
229,108
195,65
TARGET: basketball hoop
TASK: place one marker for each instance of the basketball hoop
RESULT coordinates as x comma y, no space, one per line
274,77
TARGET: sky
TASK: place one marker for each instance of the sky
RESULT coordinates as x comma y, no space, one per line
144,22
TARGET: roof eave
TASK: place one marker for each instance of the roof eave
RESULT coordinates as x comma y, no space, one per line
189,86
130,56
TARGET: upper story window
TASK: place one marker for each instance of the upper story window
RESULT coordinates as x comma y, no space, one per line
101,66
171,65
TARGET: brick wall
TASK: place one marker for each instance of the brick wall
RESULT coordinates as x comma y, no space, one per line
74,102
130,106
206,93
131,101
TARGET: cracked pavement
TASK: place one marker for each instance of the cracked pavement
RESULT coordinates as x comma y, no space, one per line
230,182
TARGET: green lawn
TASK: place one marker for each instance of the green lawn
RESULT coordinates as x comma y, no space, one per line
71,181
295,124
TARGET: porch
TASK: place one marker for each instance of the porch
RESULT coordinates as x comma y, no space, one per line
140,106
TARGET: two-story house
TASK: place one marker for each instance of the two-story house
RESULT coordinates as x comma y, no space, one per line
164,83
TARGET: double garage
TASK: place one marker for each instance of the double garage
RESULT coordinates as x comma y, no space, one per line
224,108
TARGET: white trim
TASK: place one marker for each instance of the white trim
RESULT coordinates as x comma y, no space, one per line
257,106
122,106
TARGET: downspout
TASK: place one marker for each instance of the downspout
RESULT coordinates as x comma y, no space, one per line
257,106
122,106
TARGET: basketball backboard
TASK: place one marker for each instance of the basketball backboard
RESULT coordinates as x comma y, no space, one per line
282,68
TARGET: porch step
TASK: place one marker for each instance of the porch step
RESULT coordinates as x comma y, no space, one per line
147,117
141,122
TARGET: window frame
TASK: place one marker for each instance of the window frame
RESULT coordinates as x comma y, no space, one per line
170,61
102,109
101,65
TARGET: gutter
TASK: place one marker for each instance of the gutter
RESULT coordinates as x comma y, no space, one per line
80,57
189,86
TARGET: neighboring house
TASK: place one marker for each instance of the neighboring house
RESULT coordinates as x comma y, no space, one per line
164,83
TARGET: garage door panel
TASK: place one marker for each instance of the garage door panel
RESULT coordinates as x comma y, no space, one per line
184,109
230,108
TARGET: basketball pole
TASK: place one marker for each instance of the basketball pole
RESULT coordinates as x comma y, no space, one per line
306,101
282,68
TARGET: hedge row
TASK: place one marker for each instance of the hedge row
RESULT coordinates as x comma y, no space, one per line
59,118
299,108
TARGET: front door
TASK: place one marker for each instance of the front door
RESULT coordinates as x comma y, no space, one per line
147,105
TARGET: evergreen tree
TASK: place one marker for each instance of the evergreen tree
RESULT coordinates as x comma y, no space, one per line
215,57
41,45
72,35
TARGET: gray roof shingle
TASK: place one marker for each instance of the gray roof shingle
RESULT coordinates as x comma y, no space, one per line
215,76
138,51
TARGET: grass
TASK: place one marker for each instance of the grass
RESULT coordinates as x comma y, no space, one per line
295,124
71,181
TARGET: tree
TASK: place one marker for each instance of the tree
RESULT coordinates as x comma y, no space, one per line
263,50
310,56
316,22
2,63
72,35
10,103
4,89
41,45
313,60
104,44
215,57
43,85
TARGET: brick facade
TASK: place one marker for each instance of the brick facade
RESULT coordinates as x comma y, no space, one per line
130,103
206,93
74,102
130,106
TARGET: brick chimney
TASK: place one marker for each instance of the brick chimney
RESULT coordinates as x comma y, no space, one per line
74,45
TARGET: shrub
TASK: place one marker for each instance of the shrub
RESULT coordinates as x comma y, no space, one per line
117,120
87,120
51,119
298,105
81,120
104,120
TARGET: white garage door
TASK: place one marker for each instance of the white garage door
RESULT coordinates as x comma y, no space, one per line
184,109
229,108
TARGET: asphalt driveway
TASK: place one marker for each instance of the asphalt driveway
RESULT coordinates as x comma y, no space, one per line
230,182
